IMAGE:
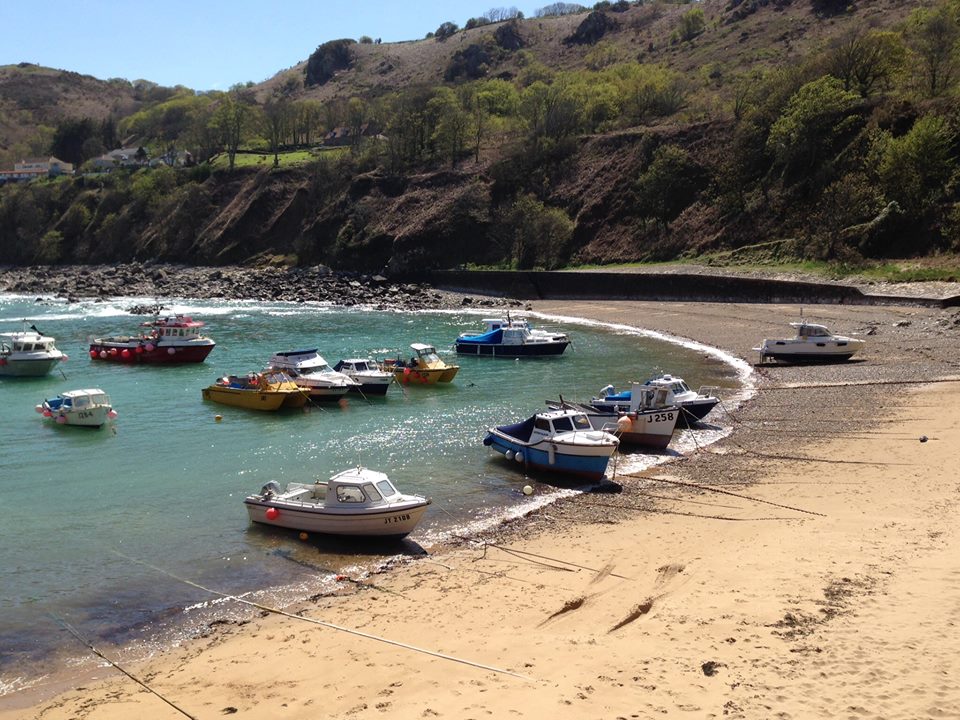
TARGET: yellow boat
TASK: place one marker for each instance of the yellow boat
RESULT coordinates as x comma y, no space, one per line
424,368
257,391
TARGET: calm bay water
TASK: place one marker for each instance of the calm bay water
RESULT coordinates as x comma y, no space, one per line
86,513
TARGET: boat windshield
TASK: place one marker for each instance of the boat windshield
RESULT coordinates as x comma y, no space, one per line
360,367
580,422
429,357
386,489
349,494
316,370
372,493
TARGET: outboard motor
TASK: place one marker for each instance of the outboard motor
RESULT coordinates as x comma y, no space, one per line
608,390
271,488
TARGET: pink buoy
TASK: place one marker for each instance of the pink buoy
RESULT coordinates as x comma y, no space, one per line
171,351
93,353
103,354
64,357
38,408
272,513
113,351
61,419
125,354
139,349
112,414
47,413
149,347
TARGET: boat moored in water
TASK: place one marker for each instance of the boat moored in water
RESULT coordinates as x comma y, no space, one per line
369,378
257,391
424,368
511,337
812,344
86,408
560,440
358,501
28,353
166,341
309,370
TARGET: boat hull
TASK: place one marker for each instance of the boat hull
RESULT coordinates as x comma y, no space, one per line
648,428
389,522
370,387
93,417
252,399
136,352
807,357
511,351
589,463
430,376
28,367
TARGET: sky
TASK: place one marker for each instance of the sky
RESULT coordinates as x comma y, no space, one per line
209,44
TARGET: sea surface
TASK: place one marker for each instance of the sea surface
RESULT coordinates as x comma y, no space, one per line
100,528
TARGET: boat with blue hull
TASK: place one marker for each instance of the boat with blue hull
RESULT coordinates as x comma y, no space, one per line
560,441
694,404
511,337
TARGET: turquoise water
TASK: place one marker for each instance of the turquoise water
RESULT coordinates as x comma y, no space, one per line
83,509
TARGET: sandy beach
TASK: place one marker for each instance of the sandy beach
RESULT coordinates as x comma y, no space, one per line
807,566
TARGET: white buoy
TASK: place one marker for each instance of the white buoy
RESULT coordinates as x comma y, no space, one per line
527,490
518,457
508,454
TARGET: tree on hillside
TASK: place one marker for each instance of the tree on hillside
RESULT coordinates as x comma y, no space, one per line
815,116
559,8
277,123
357,115
445,30
232,120
307,114
692,23
329,57
496,15
914,169
449,125
70,138
865,60
933,35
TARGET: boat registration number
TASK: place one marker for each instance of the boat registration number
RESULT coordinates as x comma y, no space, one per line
84,414
395,519
660,417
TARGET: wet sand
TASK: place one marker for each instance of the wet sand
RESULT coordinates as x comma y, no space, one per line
808,566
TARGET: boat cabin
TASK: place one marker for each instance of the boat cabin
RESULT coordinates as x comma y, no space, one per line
356,366
675,385
178,326
305,362
26,342
349,489
79,399
809,330
425,354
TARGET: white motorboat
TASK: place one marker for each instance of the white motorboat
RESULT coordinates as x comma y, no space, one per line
694,404
813,344
560,440
358,501
28,353
370,379
646,419
309,370
87,408
511,337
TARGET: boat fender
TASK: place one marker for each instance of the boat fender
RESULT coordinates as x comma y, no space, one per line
518,457
624,423
509,454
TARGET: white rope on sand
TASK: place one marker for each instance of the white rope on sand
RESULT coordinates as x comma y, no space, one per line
323,623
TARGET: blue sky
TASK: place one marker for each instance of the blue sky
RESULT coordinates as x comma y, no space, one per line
208,44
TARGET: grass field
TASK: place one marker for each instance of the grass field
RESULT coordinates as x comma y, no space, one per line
287,159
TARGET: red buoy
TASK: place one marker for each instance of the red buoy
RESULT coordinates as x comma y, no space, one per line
272,513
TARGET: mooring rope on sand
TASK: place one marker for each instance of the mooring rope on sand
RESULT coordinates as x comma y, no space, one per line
323,623
709,488
69,628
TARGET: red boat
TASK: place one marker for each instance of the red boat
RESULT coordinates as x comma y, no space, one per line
174,339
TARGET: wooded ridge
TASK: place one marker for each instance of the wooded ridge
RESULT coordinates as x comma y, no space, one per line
628,132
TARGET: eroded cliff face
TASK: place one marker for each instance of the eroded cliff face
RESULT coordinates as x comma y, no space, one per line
375,221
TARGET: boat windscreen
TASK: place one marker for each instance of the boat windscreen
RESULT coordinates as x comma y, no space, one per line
386,489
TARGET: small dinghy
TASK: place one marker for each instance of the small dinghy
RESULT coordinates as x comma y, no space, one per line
358,501
84,408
